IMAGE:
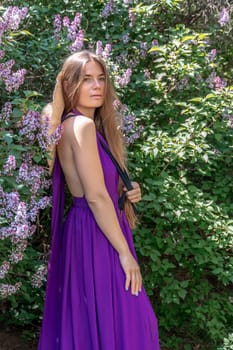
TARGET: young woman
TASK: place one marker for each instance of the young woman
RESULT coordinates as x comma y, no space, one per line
94,298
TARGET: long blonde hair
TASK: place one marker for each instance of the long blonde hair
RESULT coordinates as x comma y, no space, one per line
107,119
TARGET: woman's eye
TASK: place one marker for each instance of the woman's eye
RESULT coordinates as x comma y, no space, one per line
102,79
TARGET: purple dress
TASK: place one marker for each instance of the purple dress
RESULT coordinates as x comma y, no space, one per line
86,306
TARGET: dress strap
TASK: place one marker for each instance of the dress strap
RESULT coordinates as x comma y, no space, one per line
73,113
53,286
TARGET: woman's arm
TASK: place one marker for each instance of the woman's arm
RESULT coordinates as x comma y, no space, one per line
90,172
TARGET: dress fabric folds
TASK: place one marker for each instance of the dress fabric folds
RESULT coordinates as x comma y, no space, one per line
86,305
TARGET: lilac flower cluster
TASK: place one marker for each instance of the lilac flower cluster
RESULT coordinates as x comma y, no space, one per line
6,112
74,32
9,289
103,52
36,206
228,116
131,17
224,17
130,130
215,82
30,123
12,80
2,54
212,55
147,73
78,42
182,83
11,19
39,277
108,9
17,253
57,27
4,268
129,127
143,49
9,165
124,79
125,38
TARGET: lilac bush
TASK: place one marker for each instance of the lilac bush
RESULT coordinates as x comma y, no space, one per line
23,182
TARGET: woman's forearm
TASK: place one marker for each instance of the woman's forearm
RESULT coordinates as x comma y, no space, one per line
106,218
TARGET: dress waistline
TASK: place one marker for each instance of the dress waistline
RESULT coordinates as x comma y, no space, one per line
80,202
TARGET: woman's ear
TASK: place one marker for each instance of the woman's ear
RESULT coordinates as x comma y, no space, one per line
65,86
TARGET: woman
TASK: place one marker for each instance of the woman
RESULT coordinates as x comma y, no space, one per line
94,298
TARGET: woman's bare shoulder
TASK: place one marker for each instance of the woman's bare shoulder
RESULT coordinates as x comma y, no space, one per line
80,127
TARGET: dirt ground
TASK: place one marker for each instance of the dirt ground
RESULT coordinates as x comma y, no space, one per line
12,340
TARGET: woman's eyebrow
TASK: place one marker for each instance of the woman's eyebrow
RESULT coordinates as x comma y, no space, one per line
90,75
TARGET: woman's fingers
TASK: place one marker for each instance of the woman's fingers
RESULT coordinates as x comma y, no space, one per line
127,281
134,195
133,278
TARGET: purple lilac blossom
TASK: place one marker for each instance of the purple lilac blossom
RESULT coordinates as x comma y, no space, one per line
44,202
23,173
125,38
14,81
74,28
125,78
224,17
77,19
57,26
131,131
143,49
17,252
5,69
22,231
99,48
21,213
9,289
78,43
2,54
9,165
131,17
107,51
39,277
66,22
15,257
182,84
108,9
147,73
219,83
228,116
6,112
12,202
4,268
13,16
55,136
215,82
155,42
30,124
212,55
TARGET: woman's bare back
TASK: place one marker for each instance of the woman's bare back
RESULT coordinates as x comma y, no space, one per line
66,149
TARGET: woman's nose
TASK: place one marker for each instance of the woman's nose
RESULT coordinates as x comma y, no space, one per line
96,83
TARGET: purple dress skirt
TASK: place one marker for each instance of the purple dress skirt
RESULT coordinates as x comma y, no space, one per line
86,306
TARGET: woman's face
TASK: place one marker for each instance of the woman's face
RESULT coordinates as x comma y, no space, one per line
92,89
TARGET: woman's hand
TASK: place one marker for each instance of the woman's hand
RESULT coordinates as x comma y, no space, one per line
132,273
134,195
